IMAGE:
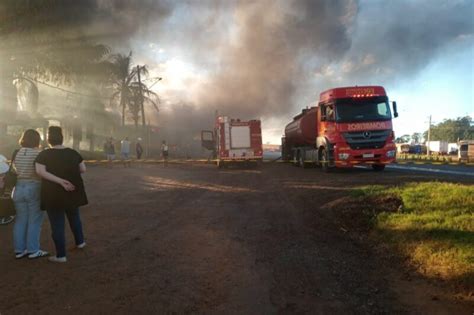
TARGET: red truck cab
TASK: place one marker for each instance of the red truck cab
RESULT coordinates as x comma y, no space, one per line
350,126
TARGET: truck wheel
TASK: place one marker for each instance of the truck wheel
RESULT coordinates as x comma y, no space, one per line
296,157
378,167
324,160
301,160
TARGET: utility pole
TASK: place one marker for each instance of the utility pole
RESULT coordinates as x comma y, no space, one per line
429,138
147,152
142,108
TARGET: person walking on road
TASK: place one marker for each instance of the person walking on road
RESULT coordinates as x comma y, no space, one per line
109,150
62,191
125,150
164,153
26,197
139,148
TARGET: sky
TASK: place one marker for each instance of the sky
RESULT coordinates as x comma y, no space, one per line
420,51
268,59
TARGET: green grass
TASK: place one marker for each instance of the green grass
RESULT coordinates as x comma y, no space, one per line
434,228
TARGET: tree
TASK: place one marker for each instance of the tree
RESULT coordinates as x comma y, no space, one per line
452,130
416,137
129,92
41,39
403,139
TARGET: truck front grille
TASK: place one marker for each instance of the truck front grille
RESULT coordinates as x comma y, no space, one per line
371,139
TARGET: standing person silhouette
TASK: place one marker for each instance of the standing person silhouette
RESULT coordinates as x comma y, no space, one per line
26,197
164,153
109,150
125,150
62,191
139,148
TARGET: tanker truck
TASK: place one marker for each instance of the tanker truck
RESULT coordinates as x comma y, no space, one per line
349,126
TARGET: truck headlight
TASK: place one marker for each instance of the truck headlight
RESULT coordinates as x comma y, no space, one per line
390,154
343,156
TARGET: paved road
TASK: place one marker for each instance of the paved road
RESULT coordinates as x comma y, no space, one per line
193,239
458,170
441,171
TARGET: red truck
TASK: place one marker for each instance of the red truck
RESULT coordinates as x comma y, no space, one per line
349,126
234,140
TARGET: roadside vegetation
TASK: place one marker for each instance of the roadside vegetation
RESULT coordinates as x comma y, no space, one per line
432,225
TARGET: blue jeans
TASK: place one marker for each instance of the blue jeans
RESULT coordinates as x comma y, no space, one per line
56,219
29,217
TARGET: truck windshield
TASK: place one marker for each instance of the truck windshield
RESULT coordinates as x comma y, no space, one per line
362,110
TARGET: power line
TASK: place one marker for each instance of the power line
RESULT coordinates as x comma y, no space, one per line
158,79
65,90
82,94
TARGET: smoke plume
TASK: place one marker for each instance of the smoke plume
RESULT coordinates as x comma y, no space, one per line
269,58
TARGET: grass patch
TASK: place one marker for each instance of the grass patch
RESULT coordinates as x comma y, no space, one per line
433,227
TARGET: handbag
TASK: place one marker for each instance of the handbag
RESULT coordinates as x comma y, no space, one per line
7,207
11,177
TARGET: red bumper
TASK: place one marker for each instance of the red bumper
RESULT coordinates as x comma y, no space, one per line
346,158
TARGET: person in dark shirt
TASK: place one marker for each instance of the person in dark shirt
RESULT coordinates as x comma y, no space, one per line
109,149
139,148
62,190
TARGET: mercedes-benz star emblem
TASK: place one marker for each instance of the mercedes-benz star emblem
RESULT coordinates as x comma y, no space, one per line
366,134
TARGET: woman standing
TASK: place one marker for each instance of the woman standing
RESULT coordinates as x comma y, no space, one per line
26,197
62,191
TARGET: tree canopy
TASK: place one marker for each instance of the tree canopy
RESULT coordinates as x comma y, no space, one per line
452,130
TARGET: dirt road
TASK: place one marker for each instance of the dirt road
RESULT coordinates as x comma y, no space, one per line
195,239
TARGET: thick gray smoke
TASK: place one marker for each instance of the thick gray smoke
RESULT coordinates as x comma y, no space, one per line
98,19
269,58
261,70
394,40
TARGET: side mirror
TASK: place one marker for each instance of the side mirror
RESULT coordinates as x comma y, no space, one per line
395,112
207,139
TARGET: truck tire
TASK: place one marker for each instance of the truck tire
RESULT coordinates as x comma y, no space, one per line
324,160
301,158
378,167
295,158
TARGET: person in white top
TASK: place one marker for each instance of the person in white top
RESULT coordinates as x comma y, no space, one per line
164,153
26,197
125,150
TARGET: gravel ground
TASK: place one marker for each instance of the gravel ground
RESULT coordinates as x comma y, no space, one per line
195,239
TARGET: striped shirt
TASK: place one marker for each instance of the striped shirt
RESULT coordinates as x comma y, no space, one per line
25,164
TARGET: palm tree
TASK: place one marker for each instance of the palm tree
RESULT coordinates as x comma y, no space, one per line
140,95
131,93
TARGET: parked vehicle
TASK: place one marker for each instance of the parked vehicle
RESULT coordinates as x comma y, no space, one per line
349,126
453,148
417,149
403,148
466,151
234,140
437,147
